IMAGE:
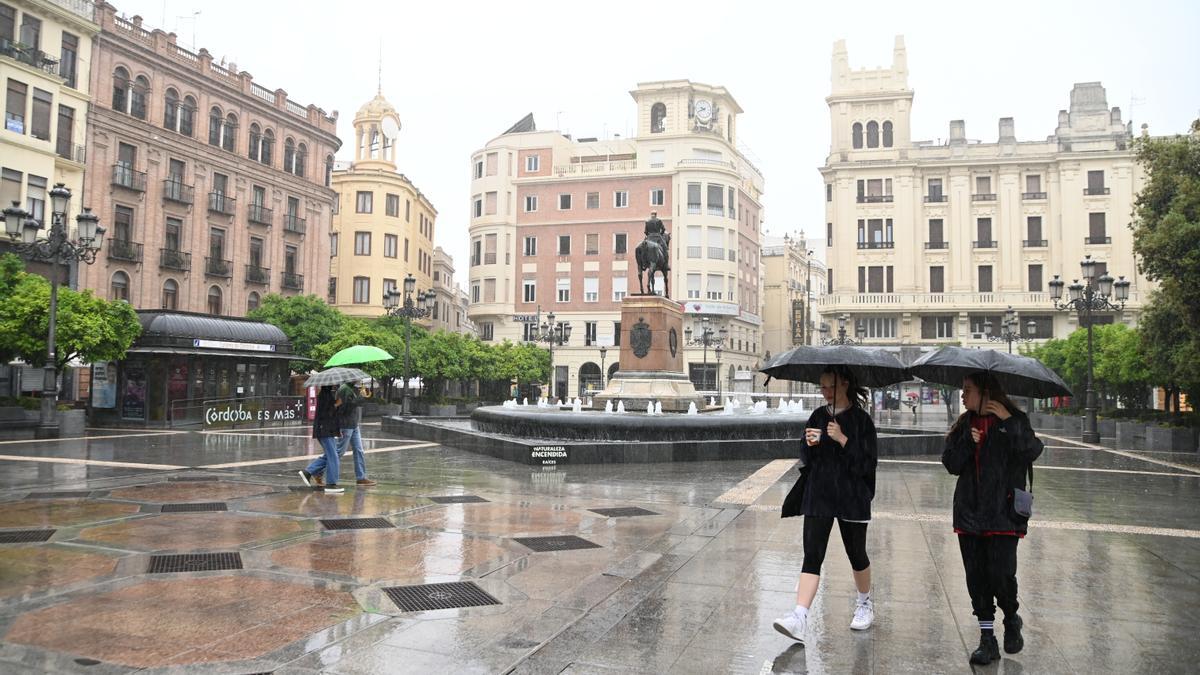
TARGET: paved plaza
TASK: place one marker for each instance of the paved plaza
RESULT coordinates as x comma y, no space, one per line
1109,575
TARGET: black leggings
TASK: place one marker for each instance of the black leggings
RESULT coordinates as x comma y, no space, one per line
991,567
816,540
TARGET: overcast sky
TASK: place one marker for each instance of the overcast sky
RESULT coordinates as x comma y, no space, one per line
459,73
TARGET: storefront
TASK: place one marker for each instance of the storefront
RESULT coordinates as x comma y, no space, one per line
183,362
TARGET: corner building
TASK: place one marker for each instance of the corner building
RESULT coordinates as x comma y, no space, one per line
555,221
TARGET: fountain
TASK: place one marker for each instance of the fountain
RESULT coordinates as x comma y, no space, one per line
608,407
692,409
577,406
620,406
658,407
649,408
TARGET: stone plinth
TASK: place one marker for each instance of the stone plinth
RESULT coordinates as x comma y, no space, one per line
651,358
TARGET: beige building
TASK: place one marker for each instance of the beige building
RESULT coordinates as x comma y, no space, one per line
448,311
790,316
383,226
928,240
555,221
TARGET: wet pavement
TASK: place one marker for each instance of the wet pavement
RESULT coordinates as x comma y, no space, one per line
1109,574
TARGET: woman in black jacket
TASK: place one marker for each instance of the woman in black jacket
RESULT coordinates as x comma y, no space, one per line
326,431
837,480
990,448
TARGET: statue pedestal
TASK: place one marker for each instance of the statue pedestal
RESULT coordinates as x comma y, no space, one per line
652,368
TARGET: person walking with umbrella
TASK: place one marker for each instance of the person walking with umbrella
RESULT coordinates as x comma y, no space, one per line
325,430
349,402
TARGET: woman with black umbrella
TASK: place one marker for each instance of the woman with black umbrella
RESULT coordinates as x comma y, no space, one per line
837,480
991,448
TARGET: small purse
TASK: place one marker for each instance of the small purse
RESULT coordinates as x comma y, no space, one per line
1023,499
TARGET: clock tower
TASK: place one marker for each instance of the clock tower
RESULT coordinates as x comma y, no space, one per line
677,107
376,126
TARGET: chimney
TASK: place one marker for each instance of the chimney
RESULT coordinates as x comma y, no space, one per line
1007,130
958,132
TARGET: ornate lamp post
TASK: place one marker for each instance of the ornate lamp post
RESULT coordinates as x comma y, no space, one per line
707,337
842,338
1010,329
718,350
603,352
409,309
1091,296
55,248
554,332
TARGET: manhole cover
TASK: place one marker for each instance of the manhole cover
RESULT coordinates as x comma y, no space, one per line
194,562
356,523
73,494
560,543
193,507
623,512
458,499
191,479
439,596
24,536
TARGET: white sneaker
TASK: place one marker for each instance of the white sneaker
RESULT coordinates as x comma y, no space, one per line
347,453
864,615
792,626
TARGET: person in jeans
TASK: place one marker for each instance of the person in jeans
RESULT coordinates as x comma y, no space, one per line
325,430
349,408
990,448
837,481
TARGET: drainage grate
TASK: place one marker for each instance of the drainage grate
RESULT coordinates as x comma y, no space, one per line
24,536
439,596
191,479
559,543
459,499
194,507
194,562
356,523
303,488
75,494
623,512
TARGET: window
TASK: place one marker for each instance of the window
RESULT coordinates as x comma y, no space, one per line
486,331
879,327
389,287
1043,326
936,233
591,244
658,159
531,203
533,164
693,286
255,141
1096,229
732,211
593,200
564,244
616,342
887,134
362,243
14,107
563,286
252,301
391,244
170,294
214,300
68,58
937,327
591,289
65,137
657,197
1096,183
829,234
476,251
829,279
489,290
477,207
333,244
478,169
266,145
564,202
658,118
1033,185
716,239
229,132
620,288
589,333
829,192
693,202
983,233
985,278
119,288
489,249
872,134
475,288
362,290
173,232
392,206
937,279
935,190
1035,278
695,241
715,289
620,199
39,118
530,246
363,202
716,207
529,290
256,245
406,249
620,243
983,186
856,134
489,204
408,210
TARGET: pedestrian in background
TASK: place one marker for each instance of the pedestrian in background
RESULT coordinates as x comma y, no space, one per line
325,430
349,403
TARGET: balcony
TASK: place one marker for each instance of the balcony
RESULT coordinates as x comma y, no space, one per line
1092,191
28,55
1033,195
933,199
294,223
69,151
874,199
936,245
124,250
124,176
293,281
177,191
258,275
1035,243
174,259
984,197
261,215
216,267
219,202
1097,240
981,243
716,253
876,244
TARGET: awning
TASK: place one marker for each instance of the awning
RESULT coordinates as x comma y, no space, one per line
211,352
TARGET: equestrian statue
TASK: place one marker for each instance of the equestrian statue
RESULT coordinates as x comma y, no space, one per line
653,256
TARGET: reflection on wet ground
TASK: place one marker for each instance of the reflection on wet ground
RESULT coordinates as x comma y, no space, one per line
1108,575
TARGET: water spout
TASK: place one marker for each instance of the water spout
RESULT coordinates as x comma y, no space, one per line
620,406
608,406
692,409
649,407
658,407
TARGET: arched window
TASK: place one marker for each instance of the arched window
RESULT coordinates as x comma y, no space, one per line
120,286
328,170
658,118
214,126
214,300
612,370
255,140
171,110
187,116
856,135
137,99
872,134
170,294
289,154
120,97
301,160
229,133
252,302
268,146
887,134
374,143
589,379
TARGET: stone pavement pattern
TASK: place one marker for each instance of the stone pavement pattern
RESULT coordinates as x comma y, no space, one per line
1108,576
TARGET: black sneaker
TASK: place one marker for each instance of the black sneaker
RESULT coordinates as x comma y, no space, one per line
987,651
333,489
1013,642
306,477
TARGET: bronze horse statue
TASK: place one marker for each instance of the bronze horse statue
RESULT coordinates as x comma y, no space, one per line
652,257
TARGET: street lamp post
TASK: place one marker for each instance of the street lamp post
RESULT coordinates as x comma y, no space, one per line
718,350
56,248
706,338
842,338
1086,298
554,332
1010,329
603,352
808,298
408,309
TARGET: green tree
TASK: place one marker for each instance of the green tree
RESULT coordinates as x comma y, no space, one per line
440,357
360,332
1169,345
306,320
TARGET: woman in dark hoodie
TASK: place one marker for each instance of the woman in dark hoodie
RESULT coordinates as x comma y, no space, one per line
990,448
837,481
326,431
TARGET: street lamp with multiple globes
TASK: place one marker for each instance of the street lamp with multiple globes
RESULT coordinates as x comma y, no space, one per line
707,337
1090,296
409,309
55,248
842,338
554,332
1010,329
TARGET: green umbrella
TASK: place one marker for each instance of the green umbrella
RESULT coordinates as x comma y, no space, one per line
358,354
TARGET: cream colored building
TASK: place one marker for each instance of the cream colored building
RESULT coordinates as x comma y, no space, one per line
789,313
448,312
383,226
555,221
926,240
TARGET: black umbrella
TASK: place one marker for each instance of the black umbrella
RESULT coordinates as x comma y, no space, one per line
1018,375
336,376
871,367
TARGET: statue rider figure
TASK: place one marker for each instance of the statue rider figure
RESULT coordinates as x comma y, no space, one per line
655,231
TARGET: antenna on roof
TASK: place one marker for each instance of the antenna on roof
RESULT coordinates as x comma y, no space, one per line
379,80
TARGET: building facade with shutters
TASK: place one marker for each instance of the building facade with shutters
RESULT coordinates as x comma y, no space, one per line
793,282
214,190
555,221
448,312
926,241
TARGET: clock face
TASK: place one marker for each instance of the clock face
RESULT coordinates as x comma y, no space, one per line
391,128
704,110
